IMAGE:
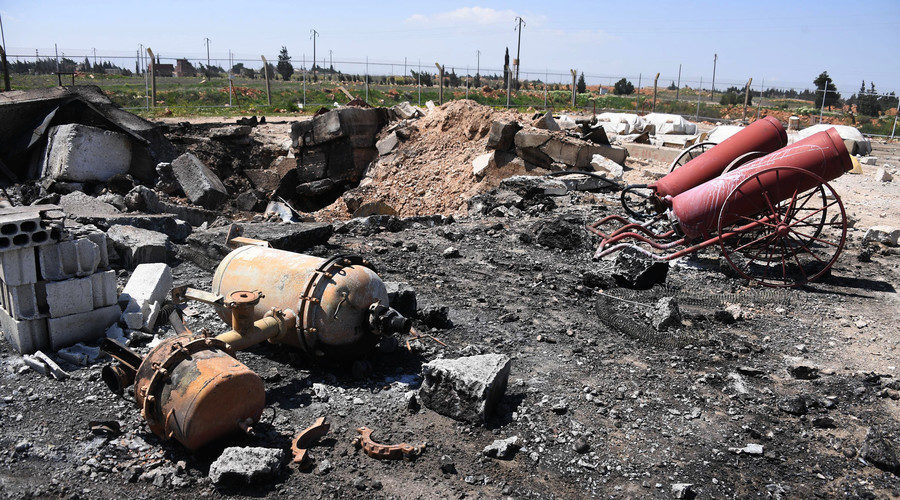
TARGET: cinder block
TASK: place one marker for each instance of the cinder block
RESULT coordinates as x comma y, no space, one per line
70,259
68,297
103,286
18,267
149,284
27,335
20,301
81,327
80,153
99,239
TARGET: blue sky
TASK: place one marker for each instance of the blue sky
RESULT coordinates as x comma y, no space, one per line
786,43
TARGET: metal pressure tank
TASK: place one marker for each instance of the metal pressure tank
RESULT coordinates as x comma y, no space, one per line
340,303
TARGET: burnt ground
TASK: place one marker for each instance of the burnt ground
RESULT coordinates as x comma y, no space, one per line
645,410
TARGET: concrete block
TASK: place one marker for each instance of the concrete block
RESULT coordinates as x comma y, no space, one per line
103,288
72,258
27,335
466,388
42,364
138,246
100,240
20,301
199,183
69,297
19,266
387,144
148,285
81,327
80,153
22,229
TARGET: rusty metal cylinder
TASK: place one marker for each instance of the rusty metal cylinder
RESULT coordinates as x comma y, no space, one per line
192,390
330,297
697,210
766,135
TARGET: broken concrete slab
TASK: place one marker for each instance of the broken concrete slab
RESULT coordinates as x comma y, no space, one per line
207,248
144,199
44,365
543,148
504,449
246,465
405,111
634,269
466,388
600,163
886,235
387,144
198,182
138,246
78,204
80,153
546,122
72,258
482,163
529,186
230,132
146,290
170,225
502,135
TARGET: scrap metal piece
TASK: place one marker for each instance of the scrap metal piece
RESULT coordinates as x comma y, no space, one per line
402,451
307,437
181,294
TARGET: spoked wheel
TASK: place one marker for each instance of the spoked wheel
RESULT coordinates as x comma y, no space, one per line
639,201
743,159
691,153
773,227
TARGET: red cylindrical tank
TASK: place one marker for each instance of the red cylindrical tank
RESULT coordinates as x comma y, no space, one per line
765,135
824,154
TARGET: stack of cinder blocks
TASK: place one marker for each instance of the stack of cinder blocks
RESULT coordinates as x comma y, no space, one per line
56,288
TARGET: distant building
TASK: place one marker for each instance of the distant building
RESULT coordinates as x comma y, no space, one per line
183,67
163,69
113,71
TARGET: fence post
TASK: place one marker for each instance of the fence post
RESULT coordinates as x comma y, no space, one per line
5,69
266,73
546,76
508,83
152,78
467,82
574,95
699,91
367,78
441,79
419,82
655,81
746,98
895,120
304,81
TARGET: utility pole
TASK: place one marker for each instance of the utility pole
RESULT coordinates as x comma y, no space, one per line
574,76
314,34
56,50
141,59
6,86
367,79
824,95
419,81
638,101
678,85
207,54
508,83
467,82
712,89
895,121
762,88
546,77
331,60
518,61
478,65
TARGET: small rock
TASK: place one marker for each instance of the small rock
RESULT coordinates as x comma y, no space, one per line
883,175
666,314
804,372
450,253
581,445
878,449
447,465
683,491
503,449
246,465
886,235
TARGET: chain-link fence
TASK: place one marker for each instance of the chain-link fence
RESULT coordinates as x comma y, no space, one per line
197,84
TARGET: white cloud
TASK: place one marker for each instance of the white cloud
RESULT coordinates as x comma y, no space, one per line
467,16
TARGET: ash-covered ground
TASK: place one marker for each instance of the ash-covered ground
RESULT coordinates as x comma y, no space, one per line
797,398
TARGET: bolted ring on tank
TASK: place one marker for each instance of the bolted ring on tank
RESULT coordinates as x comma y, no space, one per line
331,297
824,154
766,135
192,390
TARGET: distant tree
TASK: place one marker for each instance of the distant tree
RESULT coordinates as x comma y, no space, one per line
672,86
826,89
476,82
623,87
425,77
506,68
284,67
867,100
581,87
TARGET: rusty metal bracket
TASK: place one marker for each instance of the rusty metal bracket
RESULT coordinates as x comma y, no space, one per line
402,451
182,294
306,438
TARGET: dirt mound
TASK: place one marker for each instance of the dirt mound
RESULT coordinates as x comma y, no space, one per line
431,172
